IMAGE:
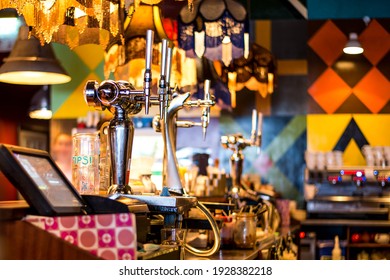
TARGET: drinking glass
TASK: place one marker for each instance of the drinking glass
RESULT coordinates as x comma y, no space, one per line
85,163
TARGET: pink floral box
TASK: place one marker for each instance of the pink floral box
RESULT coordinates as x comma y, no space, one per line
109,236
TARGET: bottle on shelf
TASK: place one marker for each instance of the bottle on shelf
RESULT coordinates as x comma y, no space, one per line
336,252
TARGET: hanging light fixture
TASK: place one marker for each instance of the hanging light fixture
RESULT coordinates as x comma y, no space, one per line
256,73
46,17
30,63
140,19
74,22
216,29
353,45
40,104
131,54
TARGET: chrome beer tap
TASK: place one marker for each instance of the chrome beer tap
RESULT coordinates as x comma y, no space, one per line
171,177
168,127
206,103
122,100
237,143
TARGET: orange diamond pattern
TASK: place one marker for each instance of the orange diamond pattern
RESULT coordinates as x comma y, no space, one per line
373,90
328,42
329,91
375,41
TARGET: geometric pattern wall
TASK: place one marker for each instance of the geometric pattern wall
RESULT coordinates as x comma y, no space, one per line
283,148
83,63
341,83
346,107
347,133
281,160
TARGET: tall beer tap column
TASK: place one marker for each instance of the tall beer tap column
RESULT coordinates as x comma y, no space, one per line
237,143
121,99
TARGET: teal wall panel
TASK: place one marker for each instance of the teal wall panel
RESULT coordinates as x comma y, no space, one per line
338,9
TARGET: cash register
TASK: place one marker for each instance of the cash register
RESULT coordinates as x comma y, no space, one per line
48,192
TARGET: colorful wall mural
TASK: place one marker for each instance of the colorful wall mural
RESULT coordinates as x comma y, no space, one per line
323,101
342,83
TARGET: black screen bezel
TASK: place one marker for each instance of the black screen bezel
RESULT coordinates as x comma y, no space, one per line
30,191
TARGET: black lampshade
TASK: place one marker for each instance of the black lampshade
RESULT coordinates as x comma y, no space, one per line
30,63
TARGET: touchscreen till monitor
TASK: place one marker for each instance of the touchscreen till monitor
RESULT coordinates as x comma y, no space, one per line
40,181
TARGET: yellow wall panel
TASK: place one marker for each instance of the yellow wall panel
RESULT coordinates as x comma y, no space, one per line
324,131
352,155
263,33
375,128
91,54
75,106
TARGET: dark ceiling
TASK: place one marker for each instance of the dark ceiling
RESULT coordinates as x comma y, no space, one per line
257,9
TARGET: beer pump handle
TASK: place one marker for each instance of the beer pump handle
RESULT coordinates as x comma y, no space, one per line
254,127
162,83
259,131
206,110
148,68
169,69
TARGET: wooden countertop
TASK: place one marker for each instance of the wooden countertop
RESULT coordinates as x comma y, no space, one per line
13,210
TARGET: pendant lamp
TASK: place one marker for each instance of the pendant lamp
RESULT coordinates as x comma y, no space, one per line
40,104
216,29
30,63
353,46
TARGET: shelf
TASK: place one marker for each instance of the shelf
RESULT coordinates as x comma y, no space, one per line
326,229
368,245
346,222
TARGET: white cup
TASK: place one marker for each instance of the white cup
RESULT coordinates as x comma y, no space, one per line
310,158
338,158
321,163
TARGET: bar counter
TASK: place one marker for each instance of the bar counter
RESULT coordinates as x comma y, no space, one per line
22,240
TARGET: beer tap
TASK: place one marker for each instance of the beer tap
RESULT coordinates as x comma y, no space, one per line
168,127
122,100
171,167
206,103
237,143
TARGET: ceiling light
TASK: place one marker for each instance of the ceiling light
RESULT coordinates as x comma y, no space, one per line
40,104
30,63
353,46
223,23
